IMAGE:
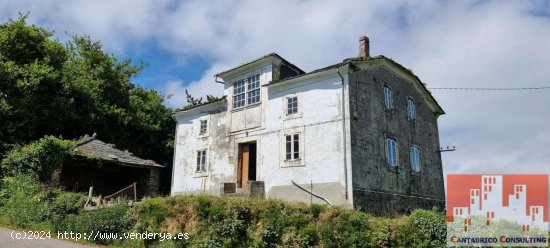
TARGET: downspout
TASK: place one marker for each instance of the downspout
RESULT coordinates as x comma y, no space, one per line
174,156
344,131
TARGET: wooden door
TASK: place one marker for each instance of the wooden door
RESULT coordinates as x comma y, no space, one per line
245,163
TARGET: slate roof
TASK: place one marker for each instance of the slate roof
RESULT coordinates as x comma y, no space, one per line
93,148
354,59
300,71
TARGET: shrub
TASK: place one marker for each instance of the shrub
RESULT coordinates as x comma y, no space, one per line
37,160
64,204
18,204
113,219
345,228
11,185
26,203
431,225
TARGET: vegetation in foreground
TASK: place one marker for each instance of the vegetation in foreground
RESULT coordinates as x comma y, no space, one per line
213,221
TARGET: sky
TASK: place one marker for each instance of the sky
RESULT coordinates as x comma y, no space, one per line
445,43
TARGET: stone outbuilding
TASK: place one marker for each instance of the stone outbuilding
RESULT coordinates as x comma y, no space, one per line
108,170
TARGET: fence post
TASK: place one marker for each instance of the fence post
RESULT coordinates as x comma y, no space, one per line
135,192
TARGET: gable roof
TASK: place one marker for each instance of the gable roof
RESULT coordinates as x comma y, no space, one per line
270,55
436,108
91,147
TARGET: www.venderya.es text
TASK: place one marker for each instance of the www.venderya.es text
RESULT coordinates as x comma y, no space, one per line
93,235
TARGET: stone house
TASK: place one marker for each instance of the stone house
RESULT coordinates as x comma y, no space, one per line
361,133
99,164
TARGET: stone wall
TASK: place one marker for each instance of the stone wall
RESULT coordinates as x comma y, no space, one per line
377,186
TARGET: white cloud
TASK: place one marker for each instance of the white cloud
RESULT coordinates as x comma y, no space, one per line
448,44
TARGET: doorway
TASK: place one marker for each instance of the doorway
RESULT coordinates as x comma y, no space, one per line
247,164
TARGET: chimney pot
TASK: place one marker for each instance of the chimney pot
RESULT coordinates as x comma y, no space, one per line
364,47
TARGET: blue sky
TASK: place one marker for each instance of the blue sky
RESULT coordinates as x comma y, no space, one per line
446,43
163,66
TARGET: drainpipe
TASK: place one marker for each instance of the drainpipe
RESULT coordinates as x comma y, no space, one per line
344,131
174,155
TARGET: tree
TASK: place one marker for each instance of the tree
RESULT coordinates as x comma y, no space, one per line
72,89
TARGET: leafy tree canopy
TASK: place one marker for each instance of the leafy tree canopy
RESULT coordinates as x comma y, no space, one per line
72,89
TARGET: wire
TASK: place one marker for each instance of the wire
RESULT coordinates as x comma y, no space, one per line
465,88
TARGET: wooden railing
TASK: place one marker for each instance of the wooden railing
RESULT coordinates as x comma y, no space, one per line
129,192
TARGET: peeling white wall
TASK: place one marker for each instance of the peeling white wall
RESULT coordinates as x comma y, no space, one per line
320,125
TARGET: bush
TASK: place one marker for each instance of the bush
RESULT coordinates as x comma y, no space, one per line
26,203
64,204
431,226
115,219
345,228
37,160
12,185
18,201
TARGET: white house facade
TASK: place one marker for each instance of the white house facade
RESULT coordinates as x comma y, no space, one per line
278,125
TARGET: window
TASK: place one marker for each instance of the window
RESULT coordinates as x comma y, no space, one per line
246,91
415,159
292,105
388,97
292,146
204,125
238,94
391,151
411,112
253,89
201,161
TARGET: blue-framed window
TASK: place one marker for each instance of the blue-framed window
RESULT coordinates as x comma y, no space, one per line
388,97
415,158
391,151
411,110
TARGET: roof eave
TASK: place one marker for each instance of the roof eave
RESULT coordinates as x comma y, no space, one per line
254,63
202,107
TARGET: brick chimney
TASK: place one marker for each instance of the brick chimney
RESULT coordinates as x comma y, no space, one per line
364,47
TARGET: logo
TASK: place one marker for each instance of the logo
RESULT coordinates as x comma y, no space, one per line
496,210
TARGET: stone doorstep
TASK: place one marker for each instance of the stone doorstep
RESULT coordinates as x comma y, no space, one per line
254,189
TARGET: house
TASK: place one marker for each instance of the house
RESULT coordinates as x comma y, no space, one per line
108,170
361,133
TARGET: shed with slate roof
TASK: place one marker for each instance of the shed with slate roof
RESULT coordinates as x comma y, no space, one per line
108,169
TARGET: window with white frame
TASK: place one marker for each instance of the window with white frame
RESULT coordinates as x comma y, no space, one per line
388,97
411,111
292,105
246,91
239,94
201,161
391,151
292,146
204,127
415,159
253,89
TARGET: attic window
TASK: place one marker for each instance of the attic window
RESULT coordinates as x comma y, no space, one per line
246,91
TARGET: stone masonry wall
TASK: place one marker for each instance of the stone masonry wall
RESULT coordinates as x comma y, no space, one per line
377,186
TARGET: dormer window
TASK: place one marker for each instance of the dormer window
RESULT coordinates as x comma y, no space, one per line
246,91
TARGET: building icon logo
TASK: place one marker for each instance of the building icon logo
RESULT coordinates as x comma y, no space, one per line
495,210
